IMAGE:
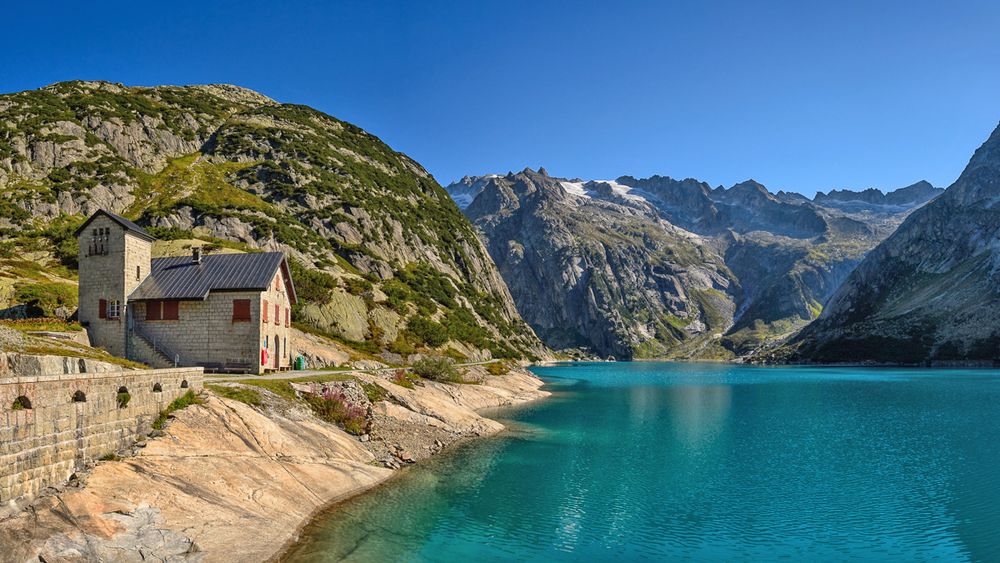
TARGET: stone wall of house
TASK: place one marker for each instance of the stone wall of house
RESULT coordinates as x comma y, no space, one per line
64,422
205,333
274,333
110,275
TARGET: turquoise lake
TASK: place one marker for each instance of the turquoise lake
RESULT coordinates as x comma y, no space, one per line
702,462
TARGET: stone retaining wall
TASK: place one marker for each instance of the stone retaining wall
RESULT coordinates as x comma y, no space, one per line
64,422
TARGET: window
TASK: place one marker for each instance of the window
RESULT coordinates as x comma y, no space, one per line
265,310
138,273
288,317
114,309
154,310
171,310
102,309
100,241
277,314
277,283
241,310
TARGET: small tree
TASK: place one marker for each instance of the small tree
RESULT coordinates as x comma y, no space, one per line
437,368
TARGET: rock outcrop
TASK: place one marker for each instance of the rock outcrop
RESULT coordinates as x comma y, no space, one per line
928,293
590,267
231,482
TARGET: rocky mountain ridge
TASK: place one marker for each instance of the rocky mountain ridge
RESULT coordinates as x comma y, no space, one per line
384,260
658,267
930,292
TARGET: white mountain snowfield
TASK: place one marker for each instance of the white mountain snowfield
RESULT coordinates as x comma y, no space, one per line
585,190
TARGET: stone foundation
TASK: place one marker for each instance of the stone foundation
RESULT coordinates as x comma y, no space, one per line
54,425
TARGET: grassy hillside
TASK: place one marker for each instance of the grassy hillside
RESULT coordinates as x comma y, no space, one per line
383,260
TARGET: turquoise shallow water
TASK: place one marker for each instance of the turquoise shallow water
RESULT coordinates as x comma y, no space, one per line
654,461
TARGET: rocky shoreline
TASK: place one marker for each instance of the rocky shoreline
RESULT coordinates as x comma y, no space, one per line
232,482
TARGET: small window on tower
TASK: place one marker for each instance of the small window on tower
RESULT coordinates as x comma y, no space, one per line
138,273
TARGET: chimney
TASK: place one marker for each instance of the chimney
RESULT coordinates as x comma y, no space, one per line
196,254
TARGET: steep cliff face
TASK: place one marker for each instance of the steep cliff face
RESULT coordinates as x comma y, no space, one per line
659,267
931,291
383,259
590,267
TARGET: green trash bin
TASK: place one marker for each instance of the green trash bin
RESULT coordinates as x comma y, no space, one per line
300,362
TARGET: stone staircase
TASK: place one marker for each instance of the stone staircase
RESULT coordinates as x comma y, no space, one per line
143,350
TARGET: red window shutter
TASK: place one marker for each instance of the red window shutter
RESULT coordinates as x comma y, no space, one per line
265,310
154,310
241,310
102,309
277,314
171,311
288,317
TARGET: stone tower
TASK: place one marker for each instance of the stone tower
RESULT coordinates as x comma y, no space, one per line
114,259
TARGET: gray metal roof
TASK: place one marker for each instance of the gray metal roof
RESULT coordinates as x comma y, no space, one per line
180,277
125,223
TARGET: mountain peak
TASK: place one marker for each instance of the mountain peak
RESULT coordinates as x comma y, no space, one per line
979,180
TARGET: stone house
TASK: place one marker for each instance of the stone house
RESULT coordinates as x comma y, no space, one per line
225,312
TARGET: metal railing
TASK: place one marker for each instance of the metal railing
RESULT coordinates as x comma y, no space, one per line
157,346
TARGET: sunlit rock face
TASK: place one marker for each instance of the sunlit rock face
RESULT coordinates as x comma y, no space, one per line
658,267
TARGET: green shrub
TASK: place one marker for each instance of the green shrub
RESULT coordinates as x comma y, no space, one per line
169,233
60,232
455,355
184,401
401,346
437,368
357,286
498,368
427,332
311,285
15,213
374,392
43,298
333,406
123,399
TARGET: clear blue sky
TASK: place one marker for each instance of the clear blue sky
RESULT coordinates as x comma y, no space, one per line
796,95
